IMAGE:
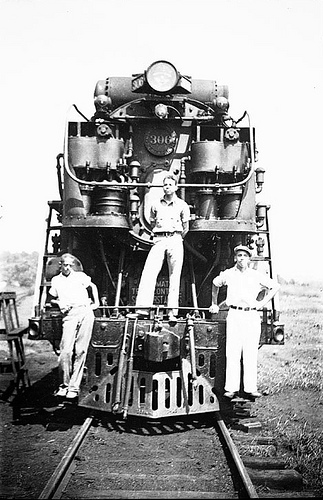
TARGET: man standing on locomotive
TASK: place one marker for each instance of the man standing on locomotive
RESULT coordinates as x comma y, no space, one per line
169,218
76,296
243,321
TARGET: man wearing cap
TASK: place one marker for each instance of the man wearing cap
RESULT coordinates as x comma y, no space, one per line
243,321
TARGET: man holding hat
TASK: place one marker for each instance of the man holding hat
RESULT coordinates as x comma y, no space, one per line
243,321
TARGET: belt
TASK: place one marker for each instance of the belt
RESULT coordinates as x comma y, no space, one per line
167,233
244,308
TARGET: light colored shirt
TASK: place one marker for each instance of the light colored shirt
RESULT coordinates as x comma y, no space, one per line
243,287
71,290
169,215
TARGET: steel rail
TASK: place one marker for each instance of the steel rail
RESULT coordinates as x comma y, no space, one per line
62,468
52,487
249,489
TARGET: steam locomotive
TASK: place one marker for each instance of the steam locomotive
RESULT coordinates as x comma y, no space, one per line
112,168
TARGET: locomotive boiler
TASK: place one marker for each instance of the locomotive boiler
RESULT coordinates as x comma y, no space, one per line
112,168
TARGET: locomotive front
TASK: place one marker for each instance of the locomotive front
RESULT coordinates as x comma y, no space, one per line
110,173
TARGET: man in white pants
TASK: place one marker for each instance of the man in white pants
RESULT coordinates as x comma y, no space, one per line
243,321
77,297
169,218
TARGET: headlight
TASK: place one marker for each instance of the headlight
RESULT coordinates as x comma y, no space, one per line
162,76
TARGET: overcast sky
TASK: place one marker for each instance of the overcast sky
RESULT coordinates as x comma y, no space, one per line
269,53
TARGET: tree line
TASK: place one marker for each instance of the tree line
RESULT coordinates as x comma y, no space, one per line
18,269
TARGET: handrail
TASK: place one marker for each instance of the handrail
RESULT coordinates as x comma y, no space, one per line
149,185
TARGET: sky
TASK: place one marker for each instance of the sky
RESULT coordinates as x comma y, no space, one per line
268,52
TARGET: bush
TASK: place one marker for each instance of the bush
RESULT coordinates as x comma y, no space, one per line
19,269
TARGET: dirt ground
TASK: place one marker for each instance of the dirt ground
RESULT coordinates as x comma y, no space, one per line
35,433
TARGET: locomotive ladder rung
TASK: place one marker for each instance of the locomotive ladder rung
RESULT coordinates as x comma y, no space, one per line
46,283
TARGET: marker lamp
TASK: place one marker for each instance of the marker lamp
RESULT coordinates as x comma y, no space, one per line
161,111
278,334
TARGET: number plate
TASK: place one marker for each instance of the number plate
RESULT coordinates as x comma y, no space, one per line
161,141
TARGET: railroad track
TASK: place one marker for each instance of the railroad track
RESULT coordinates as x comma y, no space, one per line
186,458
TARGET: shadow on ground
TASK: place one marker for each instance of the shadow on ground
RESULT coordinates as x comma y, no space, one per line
38,405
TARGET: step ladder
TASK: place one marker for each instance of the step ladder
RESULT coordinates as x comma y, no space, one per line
263,231
12,333
51,249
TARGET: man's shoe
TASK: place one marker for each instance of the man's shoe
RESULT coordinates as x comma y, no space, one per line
229,395
61,391
172,318
142,313
71,395
132,315
254,394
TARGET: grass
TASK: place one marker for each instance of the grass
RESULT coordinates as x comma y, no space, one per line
294,371
303,451
308,449
302,311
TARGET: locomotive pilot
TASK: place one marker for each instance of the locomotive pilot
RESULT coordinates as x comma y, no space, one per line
243,321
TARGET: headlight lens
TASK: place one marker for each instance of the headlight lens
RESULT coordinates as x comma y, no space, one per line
162,76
